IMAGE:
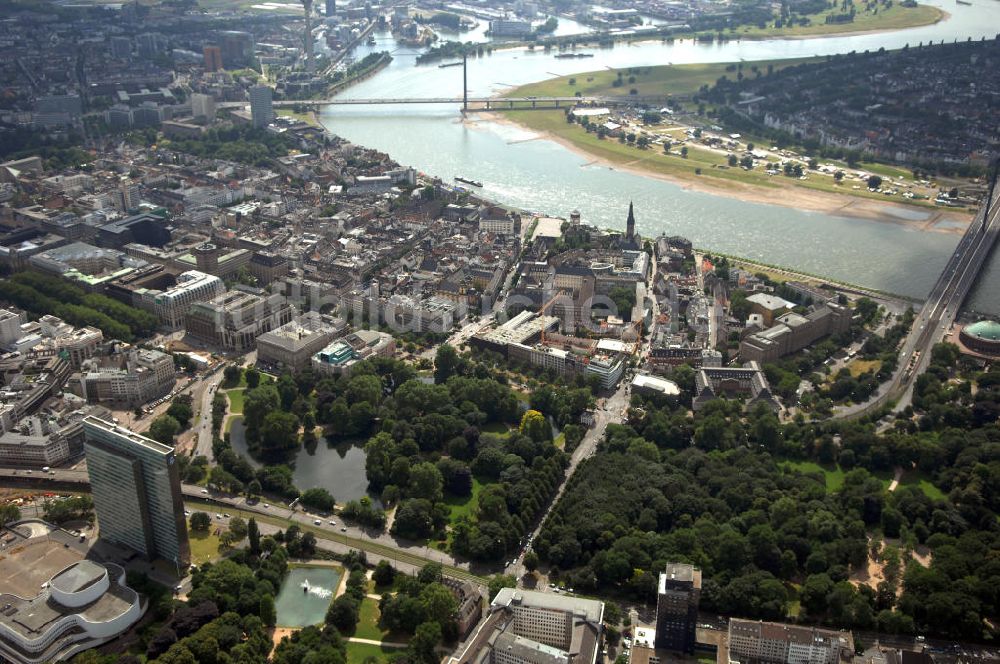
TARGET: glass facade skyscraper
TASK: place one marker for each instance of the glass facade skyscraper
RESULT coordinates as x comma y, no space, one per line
137,491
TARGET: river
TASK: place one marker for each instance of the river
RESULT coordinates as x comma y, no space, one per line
543,176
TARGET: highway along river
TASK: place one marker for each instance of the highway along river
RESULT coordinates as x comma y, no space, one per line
543,176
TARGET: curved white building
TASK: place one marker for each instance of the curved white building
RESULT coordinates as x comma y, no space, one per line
80,607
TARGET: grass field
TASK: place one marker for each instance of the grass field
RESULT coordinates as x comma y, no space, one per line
308,118
236,400
357,653
922,482
495,428
204,546
893,18
464,506
858,367
368,621
658,80
834,476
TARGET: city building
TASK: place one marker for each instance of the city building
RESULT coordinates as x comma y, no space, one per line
769,306
755,642
982,337
608,370
172,305
36,443
470,603
87,266
792,331
55,601
213,58
143,228
234,320
340,356
292,345
677,607
524,328
137,491
132,378
261,108
654,385
10,326
747,382
530,627
203,107
331,7
509,28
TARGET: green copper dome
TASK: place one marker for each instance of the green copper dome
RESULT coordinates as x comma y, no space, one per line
984,329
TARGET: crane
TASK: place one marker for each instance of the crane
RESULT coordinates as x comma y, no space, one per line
541,312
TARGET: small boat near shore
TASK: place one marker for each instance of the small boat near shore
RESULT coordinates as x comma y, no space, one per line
574,55
474,183
449,64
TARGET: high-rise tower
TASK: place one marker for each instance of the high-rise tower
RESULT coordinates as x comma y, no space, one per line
677,606
137,491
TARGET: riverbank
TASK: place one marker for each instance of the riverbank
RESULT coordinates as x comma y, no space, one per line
778,190
888,19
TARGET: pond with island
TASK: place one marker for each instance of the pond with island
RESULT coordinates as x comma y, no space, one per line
338,467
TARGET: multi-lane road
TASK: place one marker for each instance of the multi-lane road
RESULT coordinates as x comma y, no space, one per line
939,310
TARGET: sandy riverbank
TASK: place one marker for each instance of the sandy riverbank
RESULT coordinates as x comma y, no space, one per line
784,195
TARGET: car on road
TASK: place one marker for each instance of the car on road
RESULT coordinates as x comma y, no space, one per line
317,522
225,515
204,490
333,523
266,506
343,530
218,516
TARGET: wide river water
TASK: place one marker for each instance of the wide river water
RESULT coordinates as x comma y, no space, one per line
541,175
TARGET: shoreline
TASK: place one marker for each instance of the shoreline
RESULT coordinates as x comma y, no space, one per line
798,198
592,37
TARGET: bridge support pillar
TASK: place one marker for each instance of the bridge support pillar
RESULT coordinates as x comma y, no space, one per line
465,83
557,103
534,104
510,104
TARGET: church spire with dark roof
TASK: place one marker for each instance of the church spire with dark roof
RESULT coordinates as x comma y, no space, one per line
630,223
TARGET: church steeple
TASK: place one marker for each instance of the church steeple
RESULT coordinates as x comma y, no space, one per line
630,224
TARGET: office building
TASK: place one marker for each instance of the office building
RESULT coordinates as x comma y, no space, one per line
755,642
234,320
292,345
10,326
137,491
203,107
677,607
340,356
509,28
747,382
529,627
792,332
121,47
261,109
172,305
131,378
237,48
213,58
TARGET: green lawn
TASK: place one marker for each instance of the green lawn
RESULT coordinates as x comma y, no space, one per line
923,482
893,18
658,80
464,506
204,546
357,653
368,627
236,400
833,475
496,428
